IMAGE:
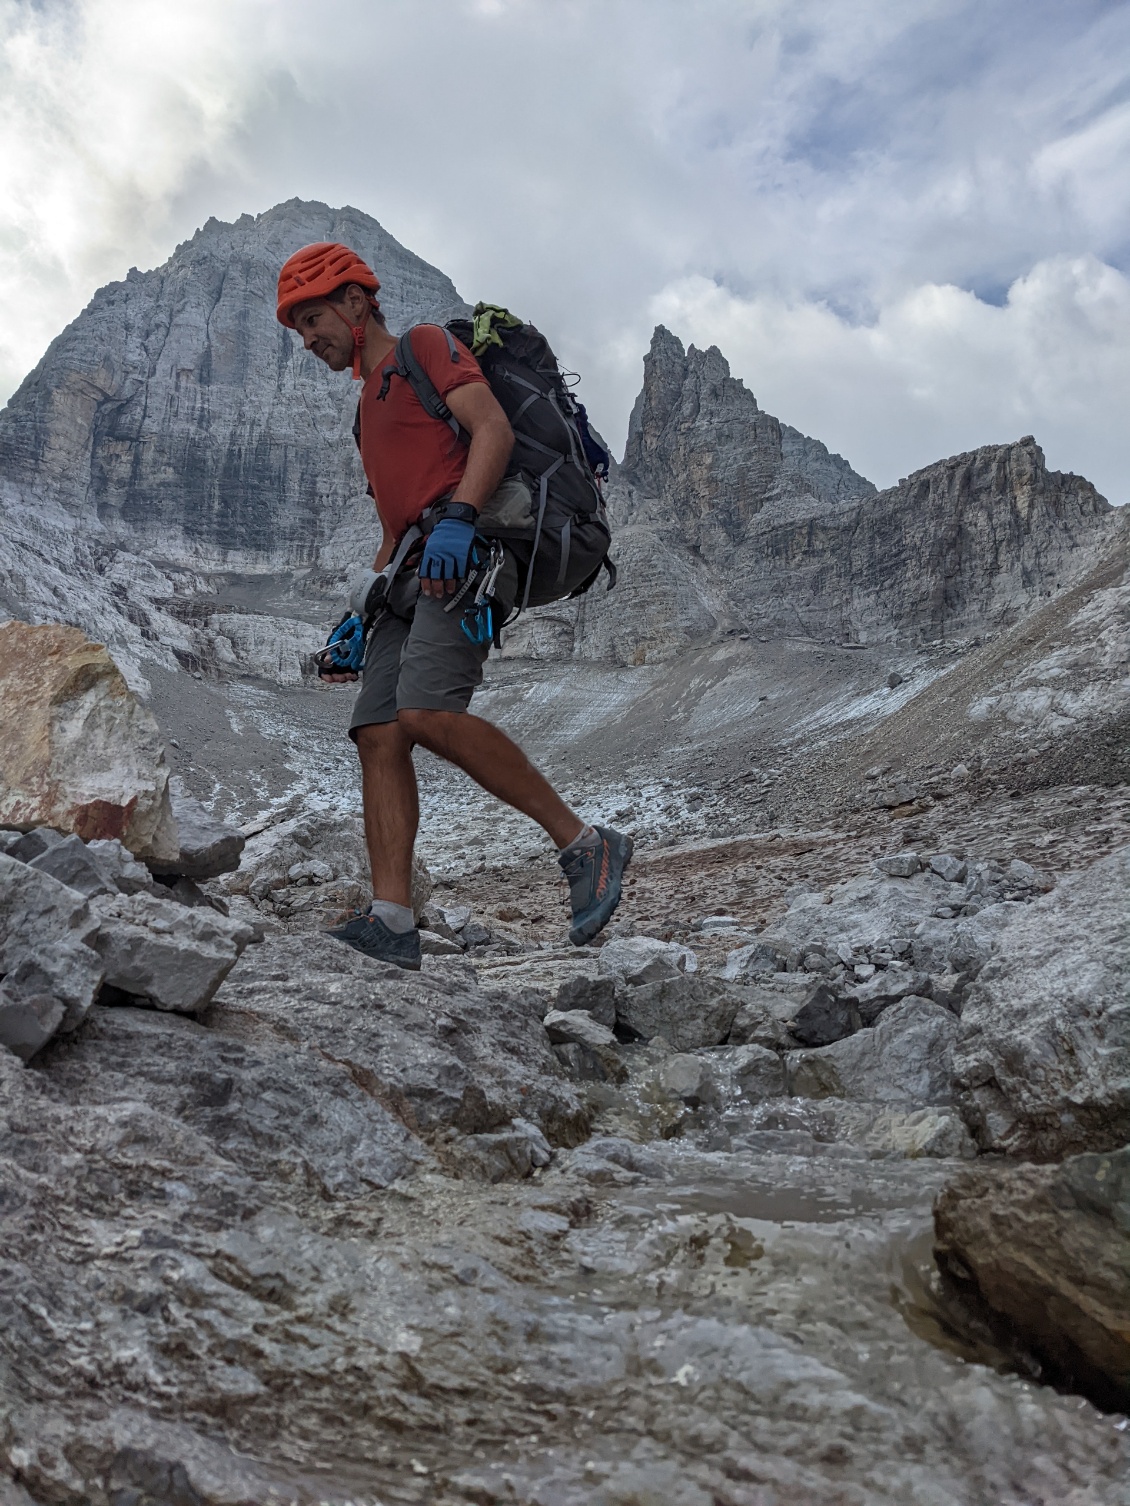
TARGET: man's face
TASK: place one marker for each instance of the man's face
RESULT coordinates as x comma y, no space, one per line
325,332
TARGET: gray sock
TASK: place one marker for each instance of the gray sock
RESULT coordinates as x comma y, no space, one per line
588,836
398,918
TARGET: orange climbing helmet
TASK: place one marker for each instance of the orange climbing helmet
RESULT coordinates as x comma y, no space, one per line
315,272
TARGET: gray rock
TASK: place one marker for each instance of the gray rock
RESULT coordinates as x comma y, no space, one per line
432,945
456,916
1043,1051
886,988
45,929
597,996
1024,876
474,933
27,1020
577,1027
757,960
272,1106
643,959
1044,1250
32,844
952,869
208,847
906,1058
899,865
757,1072
502,1155
825,1017
119,865
692,1079
949,990
686,1012
72,863
432,1045
761,1017
583,1064
166,954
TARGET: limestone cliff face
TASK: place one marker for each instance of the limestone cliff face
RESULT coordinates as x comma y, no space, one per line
776,535
175,436
177,412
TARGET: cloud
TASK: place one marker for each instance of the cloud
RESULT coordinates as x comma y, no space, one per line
855,174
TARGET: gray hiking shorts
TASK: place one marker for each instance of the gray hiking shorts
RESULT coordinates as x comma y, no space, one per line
418,658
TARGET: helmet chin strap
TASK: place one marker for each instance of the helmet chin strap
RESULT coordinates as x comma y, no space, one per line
358,333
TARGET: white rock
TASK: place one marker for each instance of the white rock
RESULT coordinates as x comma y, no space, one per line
78,751
644,959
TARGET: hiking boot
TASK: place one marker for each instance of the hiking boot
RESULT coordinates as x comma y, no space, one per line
594,875
369,935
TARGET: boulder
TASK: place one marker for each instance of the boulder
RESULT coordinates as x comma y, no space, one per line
1046,1250
440,1051
644,959
825,1017
952,869
597,996
686,1012
862,913
78,751
757,1072
72,863
690,1078
1042,1054
164,953
206,847
757,960
50,973
567,1027
886,988
907,1058
898,865
761,1016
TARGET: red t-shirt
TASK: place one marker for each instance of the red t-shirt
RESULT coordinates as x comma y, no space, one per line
410,458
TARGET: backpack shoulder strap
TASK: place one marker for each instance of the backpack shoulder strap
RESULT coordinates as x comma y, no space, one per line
409,366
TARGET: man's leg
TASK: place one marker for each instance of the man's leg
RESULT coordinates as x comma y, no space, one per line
497,764
392,808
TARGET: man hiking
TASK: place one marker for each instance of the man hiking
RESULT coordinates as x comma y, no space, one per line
421,663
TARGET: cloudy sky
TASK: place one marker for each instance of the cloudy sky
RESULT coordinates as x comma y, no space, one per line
905,222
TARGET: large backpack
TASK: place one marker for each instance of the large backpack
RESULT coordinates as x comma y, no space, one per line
549,510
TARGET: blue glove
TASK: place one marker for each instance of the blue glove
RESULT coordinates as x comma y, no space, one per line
447,550
344,652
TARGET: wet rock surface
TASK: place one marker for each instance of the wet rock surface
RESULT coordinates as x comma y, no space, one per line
1044,1254
553,1261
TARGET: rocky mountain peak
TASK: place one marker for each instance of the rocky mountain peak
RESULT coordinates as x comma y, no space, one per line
177,411
701,448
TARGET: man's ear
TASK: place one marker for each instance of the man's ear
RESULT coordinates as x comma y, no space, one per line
355,303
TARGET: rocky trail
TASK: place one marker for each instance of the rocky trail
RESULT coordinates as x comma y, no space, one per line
808,1185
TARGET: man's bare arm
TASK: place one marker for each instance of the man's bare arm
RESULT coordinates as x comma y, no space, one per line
492,439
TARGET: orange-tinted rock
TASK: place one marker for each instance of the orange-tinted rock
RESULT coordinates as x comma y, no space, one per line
78,751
